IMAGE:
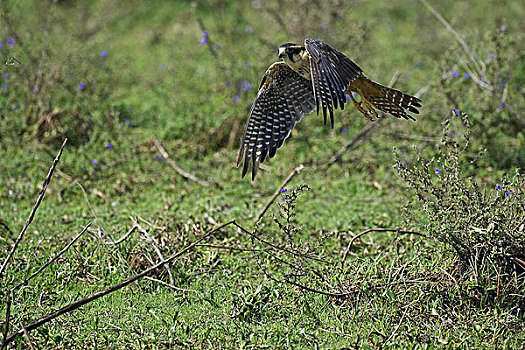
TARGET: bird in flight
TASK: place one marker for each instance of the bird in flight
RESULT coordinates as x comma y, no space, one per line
311,77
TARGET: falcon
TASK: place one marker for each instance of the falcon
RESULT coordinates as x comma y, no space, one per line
313,77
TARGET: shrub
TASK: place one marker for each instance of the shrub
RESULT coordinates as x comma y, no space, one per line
482,226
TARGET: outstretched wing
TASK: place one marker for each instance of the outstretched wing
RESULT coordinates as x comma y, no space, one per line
331,73
283,99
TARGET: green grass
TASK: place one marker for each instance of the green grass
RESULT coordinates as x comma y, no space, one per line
404,291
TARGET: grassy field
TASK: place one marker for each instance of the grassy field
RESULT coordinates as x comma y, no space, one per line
443,198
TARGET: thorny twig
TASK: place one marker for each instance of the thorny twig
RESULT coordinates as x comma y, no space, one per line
35,208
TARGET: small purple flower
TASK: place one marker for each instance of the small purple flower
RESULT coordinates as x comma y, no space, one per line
16,107
94,162
162,66
6,75
403,166
34,90
501,86
228,84
507,193
501,105
218,46
1,44
348,97
498,187
466,75
101,64
10,41
249,30
284,190
247,86
127,121
160,159
81,85
109,146
235,98
455,74
4,86
437,171
205,34
344,131
492,56
455,111
246,64
203,41
103,54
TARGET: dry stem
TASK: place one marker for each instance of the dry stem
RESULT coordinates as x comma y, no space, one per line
35,208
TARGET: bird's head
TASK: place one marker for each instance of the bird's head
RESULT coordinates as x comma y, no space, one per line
291,53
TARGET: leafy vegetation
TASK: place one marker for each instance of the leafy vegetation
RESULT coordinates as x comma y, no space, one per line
421,246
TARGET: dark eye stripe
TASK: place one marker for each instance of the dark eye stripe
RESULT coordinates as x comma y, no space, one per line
294,51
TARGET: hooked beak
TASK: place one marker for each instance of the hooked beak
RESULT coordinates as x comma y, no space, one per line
281,54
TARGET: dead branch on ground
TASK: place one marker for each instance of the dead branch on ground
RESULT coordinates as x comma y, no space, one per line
81,302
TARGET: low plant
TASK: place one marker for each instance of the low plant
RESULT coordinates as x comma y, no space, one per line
481,225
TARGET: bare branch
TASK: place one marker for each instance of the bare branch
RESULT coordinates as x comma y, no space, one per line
155,247
175,167
27,335
294,172
275,246
454,33
123,238
81,302
10,62
396,230
24,282
32,214
7,318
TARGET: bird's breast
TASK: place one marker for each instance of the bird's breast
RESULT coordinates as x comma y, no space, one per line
301,67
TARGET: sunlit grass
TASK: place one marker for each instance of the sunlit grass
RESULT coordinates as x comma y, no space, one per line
116,77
